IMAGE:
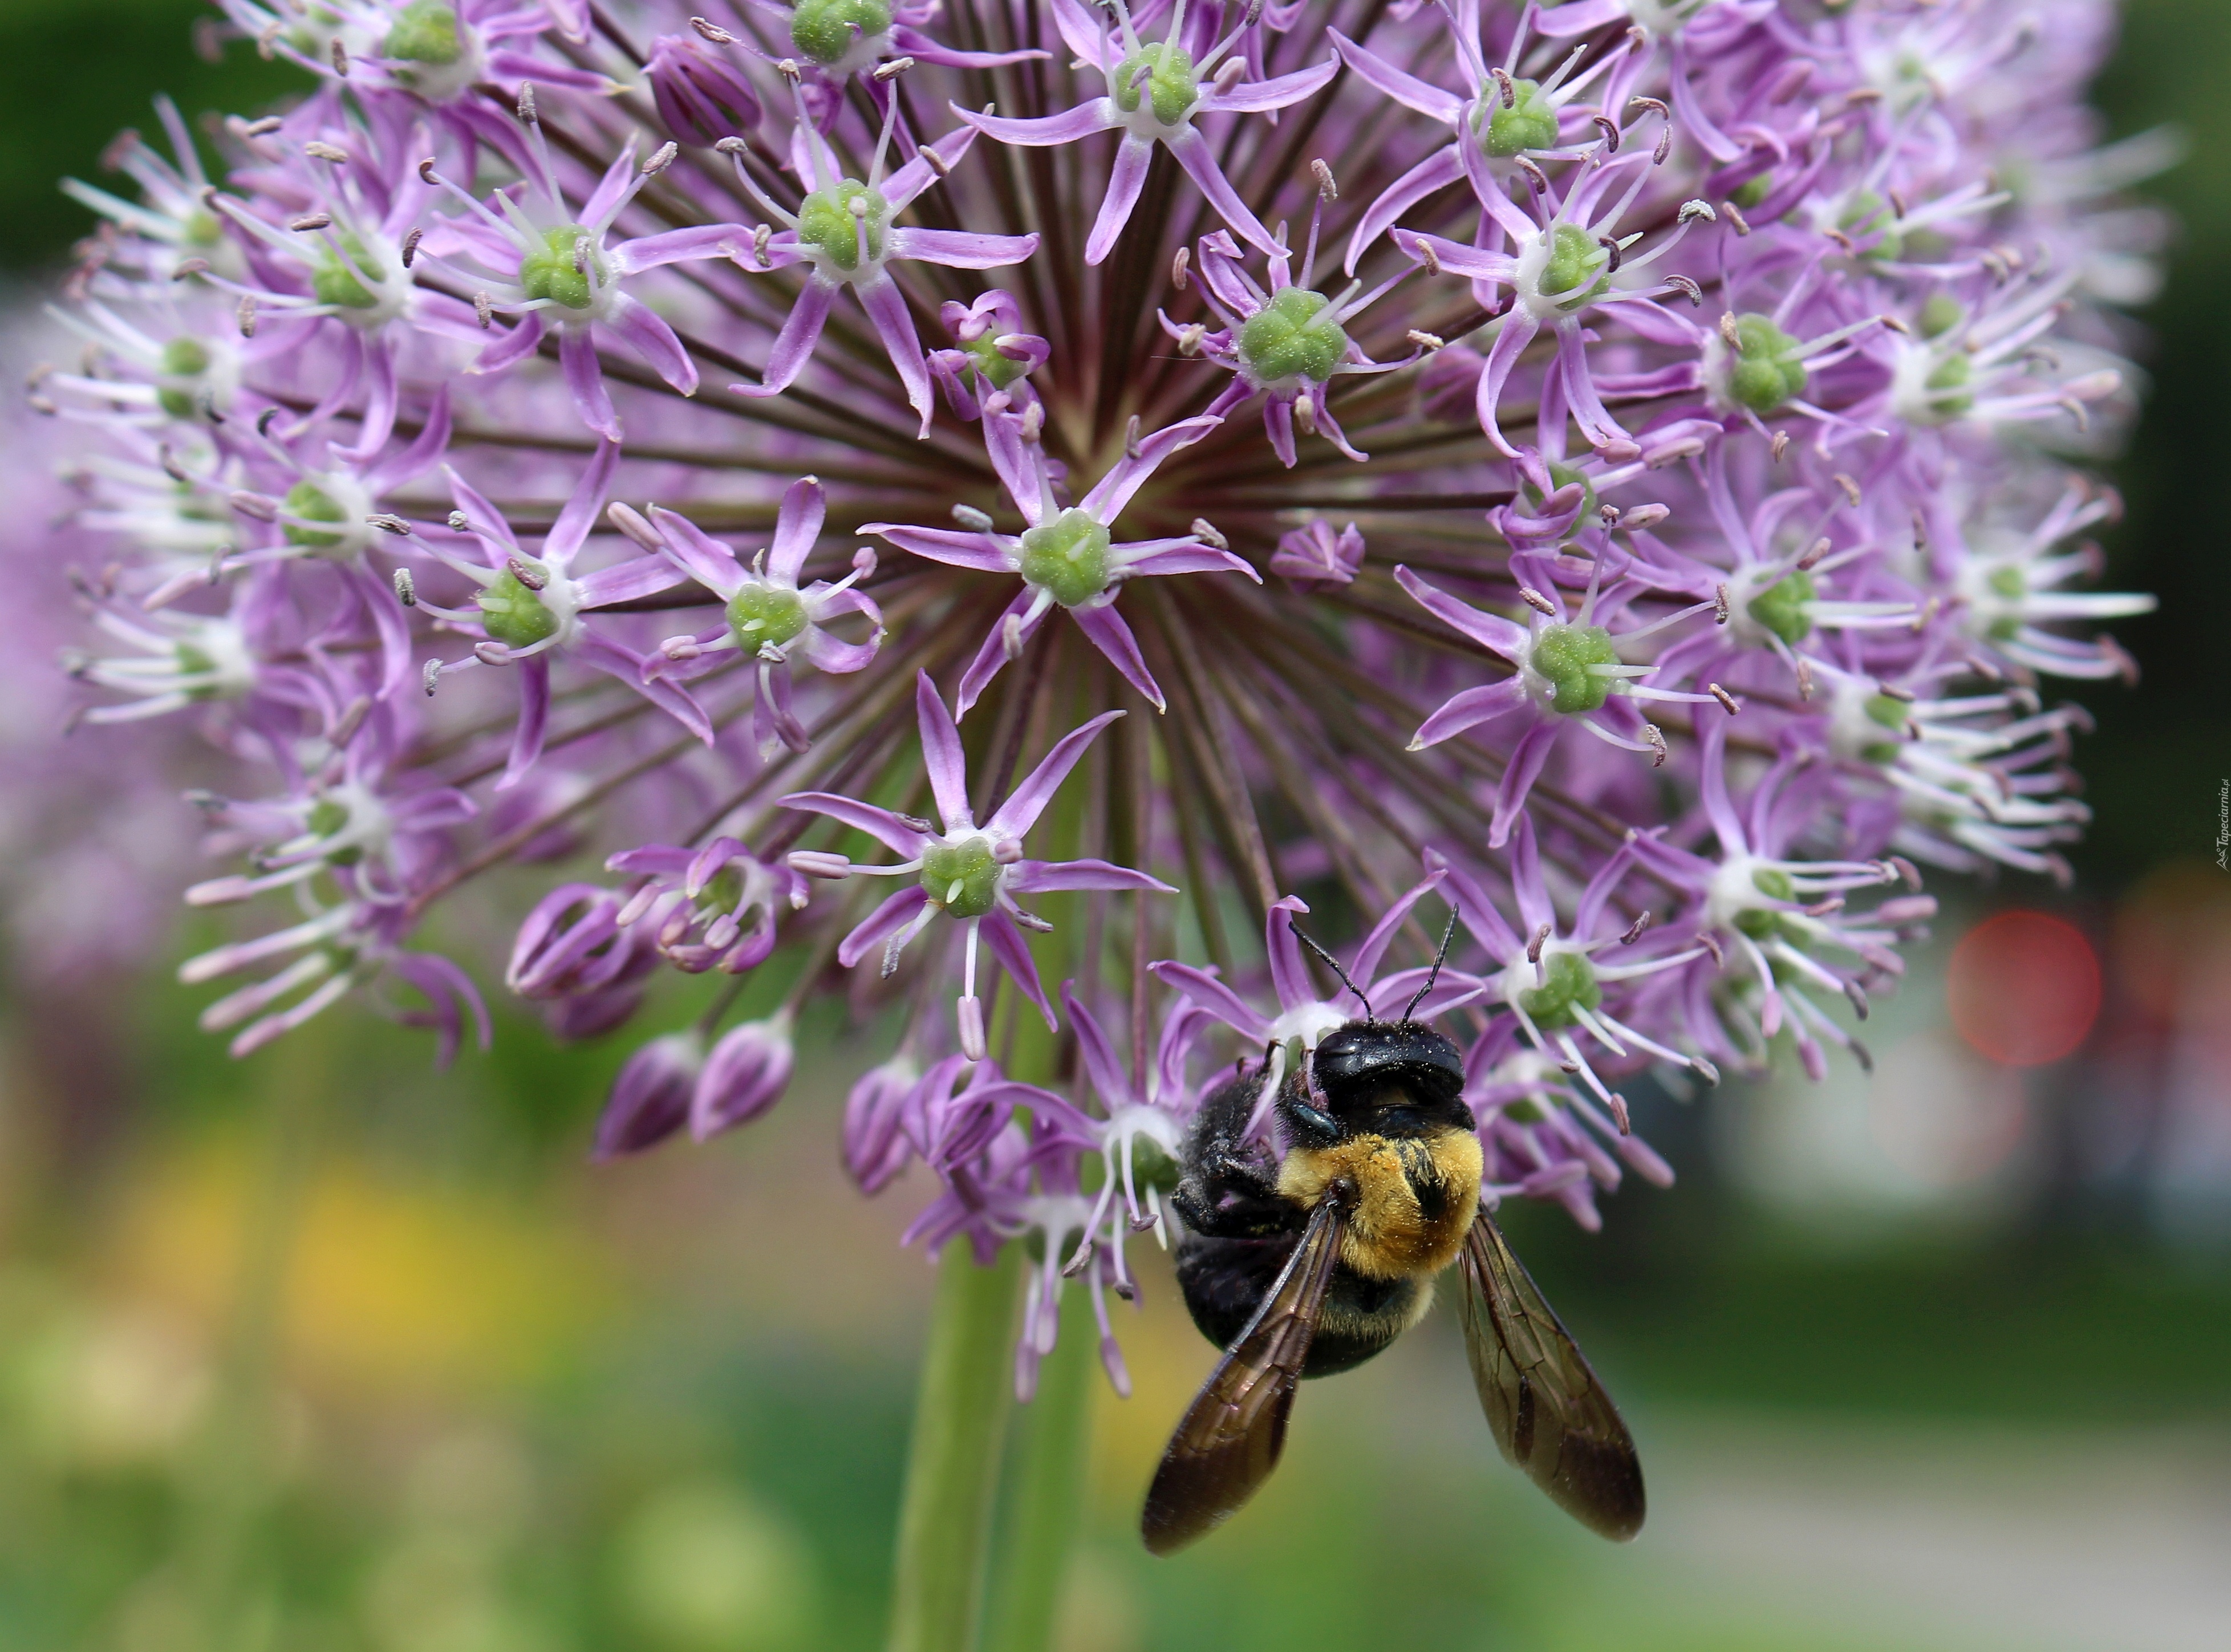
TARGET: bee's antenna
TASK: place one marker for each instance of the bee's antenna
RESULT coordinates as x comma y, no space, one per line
1334,963
1439,958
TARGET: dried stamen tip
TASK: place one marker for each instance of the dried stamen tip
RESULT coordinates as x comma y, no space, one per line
1181,267
459,522
410,246
712,31
1711,943
388,523
429,677
484,310
1633,931
261,128
661,159
1509,92
1728,701
317,150
885,73
1851,489
974,520
1328,190
1619,1116
1656,736
1131,438
789,70
1609,127
1728,329
1780,445
1033,422
527,573
1422,250
406,590
1735,218
1689,289
732,147
190,266
527,101
1813,554
246,313
340,60
1535,600
1534,946
310,221
1427,341
1205,530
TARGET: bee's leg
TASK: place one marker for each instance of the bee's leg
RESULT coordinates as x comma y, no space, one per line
1229,1207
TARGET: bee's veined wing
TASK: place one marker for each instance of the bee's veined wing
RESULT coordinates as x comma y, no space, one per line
1550,1416
1231,1436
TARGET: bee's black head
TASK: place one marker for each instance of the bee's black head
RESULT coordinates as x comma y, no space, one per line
1390,1077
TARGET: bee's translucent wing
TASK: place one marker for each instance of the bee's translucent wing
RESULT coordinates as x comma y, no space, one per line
1231,1436
1550,1416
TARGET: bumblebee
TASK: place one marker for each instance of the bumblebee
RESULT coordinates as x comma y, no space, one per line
1315,1264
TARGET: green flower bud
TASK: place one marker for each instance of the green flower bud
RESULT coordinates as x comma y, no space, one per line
1562,654
1767,372
1781,607
425,31
1068,557
340,278
1571,981
1870,215
827,223
961,877
825,30
1530,122
759,614
1291,337
1171,86
1891,714
513,615
309,501
549,273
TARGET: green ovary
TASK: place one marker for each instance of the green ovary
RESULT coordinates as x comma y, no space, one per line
196,662
1781,607
827,224
1571,983
1767,372
307,499
2007,581
825,30
994,368
1562,654
1068,557
548,272
425,32
1530,122
513,615
182,359
1573,256
326,818
1291,337
961,877
1762,923
339,278
765,614
1560,477
1948,398
1940,315
1753,190
1171,86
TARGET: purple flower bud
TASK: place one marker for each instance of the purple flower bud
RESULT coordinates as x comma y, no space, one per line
1314,558
650,1099
701,97
744,1076
876,1145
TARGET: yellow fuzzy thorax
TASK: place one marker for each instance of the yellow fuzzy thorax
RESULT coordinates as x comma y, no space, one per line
1389,1234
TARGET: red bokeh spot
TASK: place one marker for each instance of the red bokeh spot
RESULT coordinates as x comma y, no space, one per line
2024,988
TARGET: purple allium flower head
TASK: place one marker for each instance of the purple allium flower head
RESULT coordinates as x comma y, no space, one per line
1716,379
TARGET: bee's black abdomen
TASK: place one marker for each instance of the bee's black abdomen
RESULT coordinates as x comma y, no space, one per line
1225,1281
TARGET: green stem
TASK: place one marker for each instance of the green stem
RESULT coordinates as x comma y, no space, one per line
1045,1502
953,1467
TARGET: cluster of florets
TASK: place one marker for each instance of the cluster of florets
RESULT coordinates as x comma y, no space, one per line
1649,547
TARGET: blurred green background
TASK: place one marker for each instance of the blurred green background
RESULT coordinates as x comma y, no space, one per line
323,1352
